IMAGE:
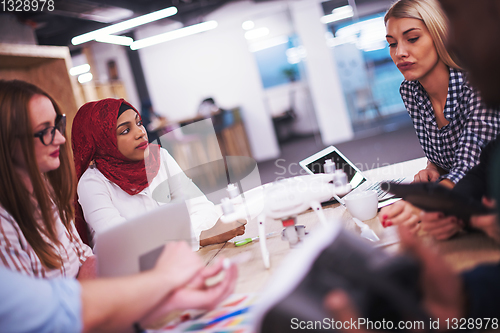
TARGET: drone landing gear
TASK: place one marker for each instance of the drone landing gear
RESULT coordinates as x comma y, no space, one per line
292,233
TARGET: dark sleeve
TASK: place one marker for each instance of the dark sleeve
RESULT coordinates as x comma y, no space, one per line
475,182
482,287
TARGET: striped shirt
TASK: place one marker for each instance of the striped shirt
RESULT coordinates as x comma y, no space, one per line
455,147
17,254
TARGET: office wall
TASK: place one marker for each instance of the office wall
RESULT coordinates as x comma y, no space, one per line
217,64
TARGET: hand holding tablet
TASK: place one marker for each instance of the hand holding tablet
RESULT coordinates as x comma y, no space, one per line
433,197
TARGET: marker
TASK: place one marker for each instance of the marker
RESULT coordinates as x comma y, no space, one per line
249,240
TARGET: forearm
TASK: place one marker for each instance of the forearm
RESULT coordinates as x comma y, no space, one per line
222,232
115,304
431,166
438,169
447,183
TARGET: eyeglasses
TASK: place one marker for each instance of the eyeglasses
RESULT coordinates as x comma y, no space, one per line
47,135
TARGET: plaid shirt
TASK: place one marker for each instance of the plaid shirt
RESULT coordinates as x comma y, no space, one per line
455,147
18,255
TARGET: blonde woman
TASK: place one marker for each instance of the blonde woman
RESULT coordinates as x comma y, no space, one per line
450,119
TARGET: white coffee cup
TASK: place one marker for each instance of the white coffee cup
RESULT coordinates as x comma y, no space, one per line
362,205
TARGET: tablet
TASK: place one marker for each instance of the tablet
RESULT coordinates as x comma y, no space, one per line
433,197
314,165
134,245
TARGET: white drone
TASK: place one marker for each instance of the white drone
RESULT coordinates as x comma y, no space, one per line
284,200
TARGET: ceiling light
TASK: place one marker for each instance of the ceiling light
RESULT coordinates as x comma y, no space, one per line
125,25
247,25
85,78
171,35
112,39
256,33
338,14
77,70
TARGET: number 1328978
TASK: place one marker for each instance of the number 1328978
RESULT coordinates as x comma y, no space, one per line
26,5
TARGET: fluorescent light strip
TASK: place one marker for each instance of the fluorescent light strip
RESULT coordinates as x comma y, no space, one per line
247,25
77,70
85,78
338,14
171,35
112,39
125,25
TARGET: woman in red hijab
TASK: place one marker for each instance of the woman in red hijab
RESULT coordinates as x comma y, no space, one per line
118,171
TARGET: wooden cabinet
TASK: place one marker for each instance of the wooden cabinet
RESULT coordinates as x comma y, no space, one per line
48,68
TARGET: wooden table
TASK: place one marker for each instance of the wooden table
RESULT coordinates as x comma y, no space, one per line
462,252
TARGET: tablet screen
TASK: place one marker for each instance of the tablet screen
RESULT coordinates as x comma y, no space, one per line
354,177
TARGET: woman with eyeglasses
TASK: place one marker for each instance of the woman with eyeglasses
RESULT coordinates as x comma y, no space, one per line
37,233
119,172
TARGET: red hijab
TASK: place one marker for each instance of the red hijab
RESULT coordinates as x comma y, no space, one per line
93,138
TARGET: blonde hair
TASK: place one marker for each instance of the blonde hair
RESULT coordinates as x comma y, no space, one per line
431,14
53,187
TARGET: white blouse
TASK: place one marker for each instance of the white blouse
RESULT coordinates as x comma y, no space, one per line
105,204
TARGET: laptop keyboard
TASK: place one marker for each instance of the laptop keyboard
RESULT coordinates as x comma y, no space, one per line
381,193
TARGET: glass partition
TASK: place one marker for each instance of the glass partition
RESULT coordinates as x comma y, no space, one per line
369,78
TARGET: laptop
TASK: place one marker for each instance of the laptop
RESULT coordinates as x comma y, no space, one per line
315,163
134,246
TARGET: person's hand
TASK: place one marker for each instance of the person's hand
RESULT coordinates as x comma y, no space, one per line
88,270
400,212
222,232
196,294
489,224
443,293
439,226
178,264
428,174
